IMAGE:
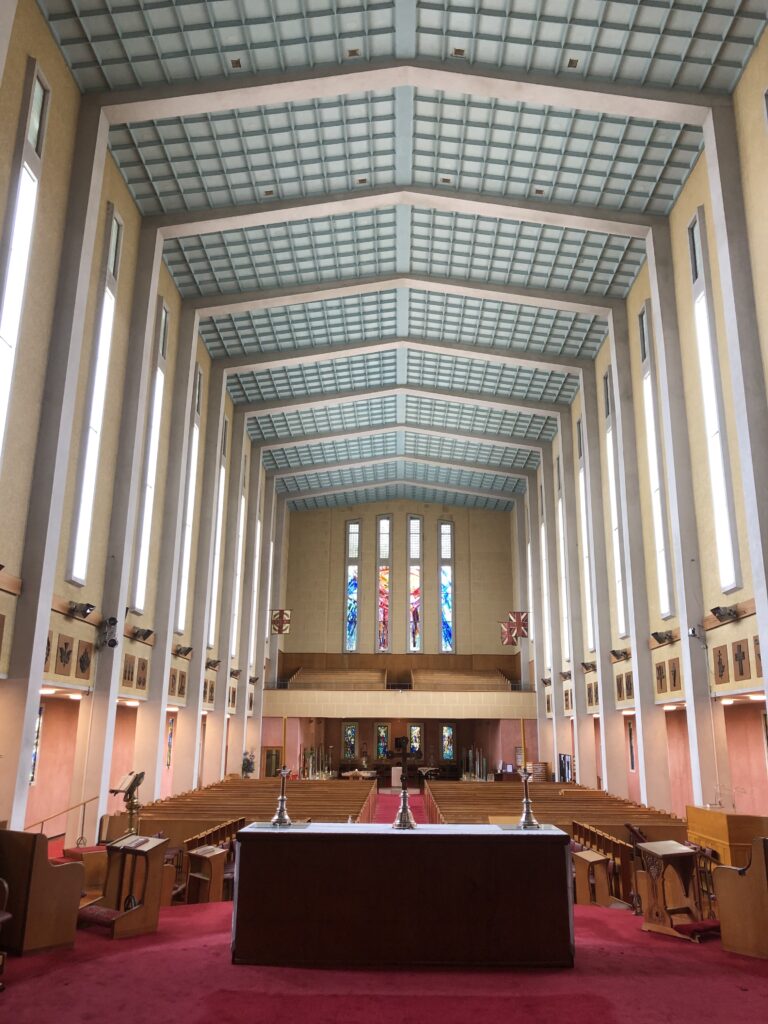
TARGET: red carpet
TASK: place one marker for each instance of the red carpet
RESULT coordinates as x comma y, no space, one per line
388,803
184,973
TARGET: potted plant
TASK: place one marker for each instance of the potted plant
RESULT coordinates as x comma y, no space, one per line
249,763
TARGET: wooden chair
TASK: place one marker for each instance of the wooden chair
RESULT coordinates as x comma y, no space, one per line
4,916
742,903
42,897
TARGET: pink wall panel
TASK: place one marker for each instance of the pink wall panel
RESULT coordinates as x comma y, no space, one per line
122,753
746,754
678,753
51,791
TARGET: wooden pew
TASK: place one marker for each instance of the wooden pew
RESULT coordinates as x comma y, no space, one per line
742,903
592,877
43,898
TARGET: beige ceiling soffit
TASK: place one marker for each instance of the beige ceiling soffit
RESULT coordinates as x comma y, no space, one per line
476,492
422,460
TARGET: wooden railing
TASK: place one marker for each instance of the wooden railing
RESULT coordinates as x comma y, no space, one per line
50,817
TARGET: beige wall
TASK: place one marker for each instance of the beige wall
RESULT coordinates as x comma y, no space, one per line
316,577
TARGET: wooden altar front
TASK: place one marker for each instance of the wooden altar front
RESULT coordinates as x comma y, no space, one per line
370,895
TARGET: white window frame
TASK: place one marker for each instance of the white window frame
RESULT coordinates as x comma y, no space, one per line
18,232
151,456
614,505
415,562
381,560
350,560
221,490
718,458
655,462
586,552
565,616
98,387
193,455
451,563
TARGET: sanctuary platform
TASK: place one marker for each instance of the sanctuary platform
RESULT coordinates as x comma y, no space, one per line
336,895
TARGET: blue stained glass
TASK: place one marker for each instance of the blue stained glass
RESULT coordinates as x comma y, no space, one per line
446,607
351,644
382,740
414,740
350,741
447,752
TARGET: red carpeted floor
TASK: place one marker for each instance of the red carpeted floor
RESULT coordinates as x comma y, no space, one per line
183,973
388,803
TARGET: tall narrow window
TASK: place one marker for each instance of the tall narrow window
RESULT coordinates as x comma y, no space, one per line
189,504
529,569
255,595
414,584
654,465
268,609
97,399
352,585
150,465
712,410
613,501
546,622
238,571
586,558
384,563
212,624
447,635
349,741
564,610
36,745
13,276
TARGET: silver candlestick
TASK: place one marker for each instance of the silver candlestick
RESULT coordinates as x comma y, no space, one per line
281,817
527,819
404,817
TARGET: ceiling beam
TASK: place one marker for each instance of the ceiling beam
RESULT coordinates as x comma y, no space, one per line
248,91
286,211
471,399
493,355
381,460
306,440
475,492
229,304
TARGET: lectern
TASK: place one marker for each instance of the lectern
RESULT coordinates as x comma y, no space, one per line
131,901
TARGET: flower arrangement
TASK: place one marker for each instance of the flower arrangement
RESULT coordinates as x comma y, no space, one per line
249,763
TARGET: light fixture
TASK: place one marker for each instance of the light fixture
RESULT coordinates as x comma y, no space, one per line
628,712
362,181
756,696
458,51
203,712
353,53
565,676
47,691
671,707
235,673
663,636
546,680
589,666
622,654
183,652
81,608
75,696
253,680
573,62
595,714
236,63
269,191
131,703
724,613
142,633
727,701
212,663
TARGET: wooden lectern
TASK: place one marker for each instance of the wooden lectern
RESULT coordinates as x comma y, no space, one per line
670,899
131,901
205,882
742,903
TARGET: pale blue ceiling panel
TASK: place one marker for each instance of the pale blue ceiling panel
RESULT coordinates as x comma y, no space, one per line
457,449
333,377
342,415
461,373
442,414
315,453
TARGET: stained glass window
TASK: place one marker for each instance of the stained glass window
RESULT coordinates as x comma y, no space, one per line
382,739
349,741
414,584
415,734
36,745
353,585
384,525
447,743
447,639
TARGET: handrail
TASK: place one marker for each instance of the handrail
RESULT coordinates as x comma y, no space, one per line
74,807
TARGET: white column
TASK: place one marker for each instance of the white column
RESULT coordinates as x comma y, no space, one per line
216,721
262,620
187,742
583,725
7,15
238,723
707,742
561,727
652,759
94,750
281,526
612,752
544,723
149,750
20,693
746,363
521,583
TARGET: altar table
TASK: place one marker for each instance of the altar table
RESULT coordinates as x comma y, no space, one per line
370,895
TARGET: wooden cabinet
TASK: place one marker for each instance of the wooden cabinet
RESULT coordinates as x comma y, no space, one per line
729,834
